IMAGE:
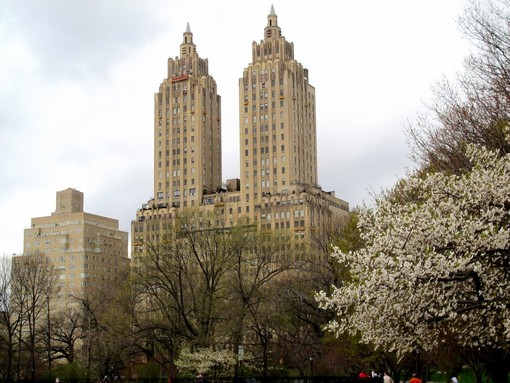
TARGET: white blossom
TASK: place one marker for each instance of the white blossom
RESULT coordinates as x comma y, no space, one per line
436,265
205,361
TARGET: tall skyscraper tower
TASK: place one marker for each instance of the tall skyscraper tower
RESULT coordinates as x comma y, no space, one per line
187,130
278,187
276,119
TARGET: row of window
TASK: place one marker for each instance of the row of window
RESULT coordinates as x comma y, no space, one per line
72,275
282,215
263,128
264,173
177,172
192,192
263,184
65,223
263,139
176,121
177,192
262,117
265,71
264,161
283,225
263,150
262,95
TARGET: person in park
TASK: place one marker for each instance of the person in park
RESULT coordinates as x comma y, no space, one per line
414,379
454,379
387,378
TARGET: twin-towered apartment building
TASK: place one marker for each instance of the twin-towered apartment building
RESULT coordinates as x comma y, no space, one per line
278,185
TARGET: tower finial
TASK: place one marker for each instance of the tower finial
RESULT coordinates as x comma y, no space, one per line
187,46
272,29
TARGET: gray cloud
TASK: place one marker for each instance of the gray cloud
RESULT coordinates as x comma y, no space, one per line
80,39
77,80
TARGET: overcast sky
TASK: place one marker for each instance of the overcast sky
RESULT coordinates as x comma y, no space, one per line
77,80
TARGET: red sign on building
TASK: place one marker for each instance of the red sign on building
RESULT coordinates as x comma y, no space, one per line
179,78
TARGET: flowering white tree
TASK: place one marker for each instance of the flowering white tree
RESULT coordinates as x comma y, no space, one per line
436,265
206,361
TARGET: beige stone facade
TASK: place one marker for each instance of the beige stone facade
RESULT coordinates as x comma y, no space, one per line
187,131
277,121
278,186
85,248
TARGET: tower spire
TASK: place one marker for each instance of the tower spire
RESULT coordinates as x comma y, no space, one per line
187,46
272,29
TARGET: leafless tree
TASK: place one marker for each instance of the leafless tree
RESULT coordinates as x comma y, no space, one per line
205,285
35,289
261,260
182,280
98,320
475,107
9,321
60,339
